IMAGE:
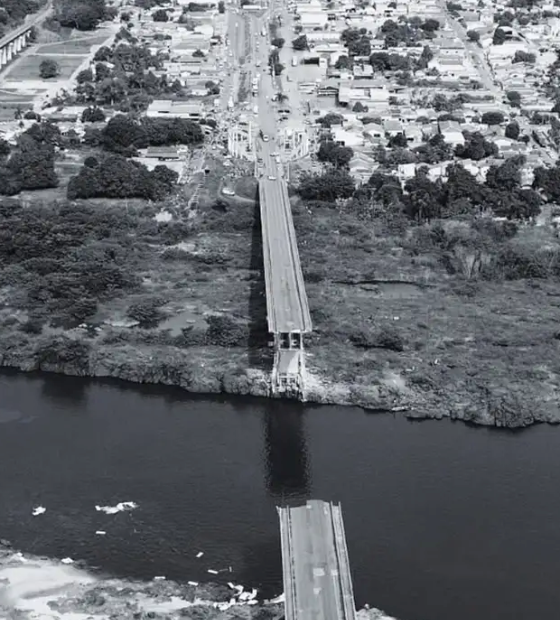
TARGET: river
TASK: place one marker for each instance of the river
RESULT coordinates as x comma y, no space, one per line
443,521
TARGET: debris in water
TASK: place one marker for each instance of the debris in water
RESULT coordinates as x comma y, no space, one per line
200,554
159,578
120,507
192,583
39,511
279,599
67,561
101,532
212,572
231,585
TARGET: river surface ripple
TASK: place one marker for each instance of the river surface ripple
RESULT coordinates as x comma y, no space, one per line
443,521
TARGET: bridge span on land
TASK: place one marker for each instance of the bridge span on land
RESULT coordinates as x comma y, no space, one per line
317,581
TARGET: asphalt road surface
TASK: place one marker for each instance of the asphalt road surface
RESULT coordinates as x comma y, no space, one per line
287,304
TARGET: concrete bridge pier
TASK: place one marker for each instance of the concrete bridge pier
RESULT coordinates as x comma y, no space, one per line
10,49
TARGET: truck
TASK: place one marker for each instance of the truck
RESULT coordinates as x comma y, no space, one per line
255,109
230,103
294,61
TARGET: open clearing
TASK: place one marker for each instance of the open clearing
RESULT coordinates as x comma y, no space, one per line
28,68
78,46
384,309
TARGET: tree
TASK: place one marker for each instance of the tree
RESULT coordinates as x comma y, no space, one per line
278,42
359,47
48,68
507,176
492,118
300,43
198,54
102,72
398,140
476,147
32,164
335,154
521,56
499,37
80,14
514,98
430,25
328,187
103,54
84,76
221,6
118,177
330,119
160,16
512,130
343,62
93,115
123,135
473,36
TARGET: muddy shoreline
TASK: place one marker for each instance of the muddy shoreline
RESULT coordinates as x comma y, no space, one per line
201,370
42,588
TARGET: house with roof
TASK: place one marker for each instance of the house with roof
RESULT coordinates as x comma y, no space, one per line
393,128
362,166
374,134
345,137
166,108
451,132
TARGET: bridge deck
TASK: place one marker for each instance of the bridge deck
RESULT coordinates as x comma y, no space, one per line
32,21
317,582
286,299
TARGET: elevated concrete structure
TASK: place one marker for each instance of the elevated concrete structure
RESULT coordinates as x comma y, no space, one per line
317,581
12,43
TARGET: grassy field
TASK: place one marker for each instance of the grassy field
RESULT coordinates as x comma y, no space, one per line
79,46
386,311
28,68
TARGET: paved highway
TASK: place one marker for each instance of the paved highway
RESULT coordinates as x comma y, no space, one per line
287,305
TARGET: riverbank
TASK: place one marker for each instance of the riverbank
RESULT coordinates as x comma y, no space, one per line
158,295
215,370
33,588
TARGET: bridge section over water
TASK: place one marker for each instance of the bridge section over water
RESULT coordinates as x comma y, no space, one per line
317,581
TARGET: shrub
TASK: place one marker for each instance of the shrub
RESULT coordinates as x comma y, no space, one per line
48,68
223,331
147,313
386,338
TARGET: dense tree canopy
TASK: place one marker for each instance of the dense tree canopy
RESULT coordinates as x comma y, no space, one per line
117,177
30,165
335,154
80,14
328,187
124,135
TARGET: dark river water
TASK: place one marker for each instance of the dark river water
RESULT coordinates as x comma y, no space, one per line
443,522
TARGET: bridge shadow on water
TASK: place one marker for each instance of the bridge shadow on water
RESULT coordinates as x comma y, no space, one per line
260,355
288,467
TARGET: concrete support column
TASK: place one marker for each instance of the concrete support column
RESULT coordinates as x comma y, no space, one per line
3,57
10,51
17,45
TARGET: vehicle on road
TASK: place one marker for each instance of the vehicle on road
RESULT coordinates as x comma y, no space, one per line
228,191
271,178
265,138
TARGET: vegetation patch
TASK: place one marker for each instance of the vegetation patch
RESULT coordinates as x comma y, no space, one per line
30,68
